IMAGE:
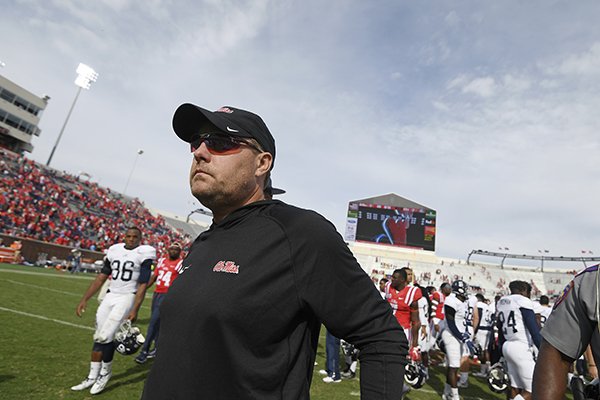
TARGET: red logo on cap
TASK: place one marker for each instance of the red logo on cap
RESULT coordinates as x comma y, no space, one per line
225,110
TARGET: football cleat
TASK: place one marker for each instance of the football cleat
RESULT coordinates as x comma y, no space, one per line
87,382
100,384
348,375
129,339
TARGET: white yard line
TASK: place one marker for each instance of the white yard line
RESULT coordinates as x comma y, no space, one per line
41,287
66,275
58,321
148,295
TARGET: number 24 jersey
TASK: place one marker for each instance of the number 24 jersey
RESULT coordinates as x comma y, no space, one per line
508,313
166,271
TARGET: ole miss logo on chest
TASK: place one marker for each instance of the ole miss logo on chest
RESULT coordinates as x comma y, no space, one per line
226,266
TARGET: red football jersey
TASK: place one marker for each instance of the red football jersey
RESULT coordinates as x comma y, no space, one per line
437,300
166,271
400,302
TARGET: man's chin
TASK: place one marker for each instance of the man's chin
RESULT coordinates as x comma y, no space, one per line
206,198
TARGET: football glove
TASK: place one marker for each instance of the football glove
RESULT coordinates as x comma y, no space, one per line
415,353
471,347
465,337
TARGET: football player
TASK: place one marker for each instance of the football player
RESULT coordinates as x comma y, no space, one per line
570,329
484,333
472,320
403,299
455,335
543,310
518,332
167,269
437,302
424,304
129,264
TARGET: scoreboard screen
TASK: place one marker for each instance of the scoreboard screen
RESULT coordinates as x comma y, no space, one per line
393,226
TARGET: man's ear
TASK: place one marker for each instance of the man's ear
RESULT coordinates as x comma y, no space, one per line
263,163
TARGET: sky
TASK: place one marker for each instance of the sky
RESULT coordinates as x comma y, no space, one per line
484,111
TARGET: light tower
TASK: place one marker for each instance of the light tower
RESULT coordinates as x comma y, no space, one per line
85,76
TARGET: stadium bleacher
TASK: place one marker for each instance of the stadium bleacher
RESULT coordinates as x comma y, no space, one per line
429,270
42,203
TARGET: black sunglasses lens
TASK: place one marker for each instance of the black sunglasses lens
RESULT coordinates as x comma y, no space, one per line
215,144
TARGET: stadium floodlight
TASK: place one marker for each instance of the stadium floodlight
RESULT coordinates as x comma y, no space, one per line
85,77
139,153
198,211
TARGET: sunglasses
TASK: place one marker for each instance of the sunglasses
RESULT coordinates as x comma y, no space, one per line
218,144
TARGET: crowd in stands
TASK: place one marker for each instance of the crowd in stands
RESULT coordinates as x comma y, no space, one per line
44,204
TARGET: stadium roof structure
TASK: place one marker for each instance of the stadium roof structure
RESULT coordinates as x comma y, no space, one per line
541,258
190,226
391,200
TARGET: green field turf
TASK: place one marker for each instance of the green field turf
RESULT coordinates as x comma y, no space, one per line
45,347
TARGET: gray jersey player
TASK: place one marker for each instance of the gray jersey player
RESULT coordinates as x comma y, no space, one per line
570,328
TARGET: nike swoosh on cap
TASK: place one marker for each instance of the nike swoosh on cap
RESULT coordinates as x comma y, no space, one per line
231,130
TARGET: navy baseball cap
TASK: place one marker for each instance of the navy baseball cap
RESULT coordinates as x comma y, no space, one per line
190,120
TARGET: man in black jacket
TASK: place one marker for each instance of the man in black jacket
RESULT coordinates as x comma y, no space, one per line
242,321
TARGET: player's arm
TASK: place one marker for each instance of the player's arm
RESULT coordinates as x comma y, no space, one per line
476,315
415,323
531,325
94,287
549,376
145,272
451,323
151,281
435,302
589,358
480,311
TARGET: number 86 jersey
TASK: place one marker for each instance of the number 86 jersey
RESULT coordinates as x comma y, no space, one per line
124,266
508,314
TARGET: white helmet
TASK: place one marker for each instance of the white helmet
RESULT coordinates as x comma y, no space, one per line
129,338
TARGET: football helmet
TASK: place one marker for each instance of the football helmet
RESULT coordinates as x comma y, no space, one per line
349,349
128,339
415,375
497,379
460,287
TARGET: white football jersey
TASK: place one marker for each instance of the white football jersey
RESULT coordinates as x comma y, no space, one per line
485,320
508,313
461,310
544,314
471,306
126,265
423,311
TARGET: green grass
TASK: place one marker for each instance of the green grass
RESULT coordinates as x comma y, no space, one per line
45,347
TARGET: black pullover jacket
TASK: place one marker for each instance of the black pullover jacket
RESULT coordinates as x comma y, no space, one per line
242,320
